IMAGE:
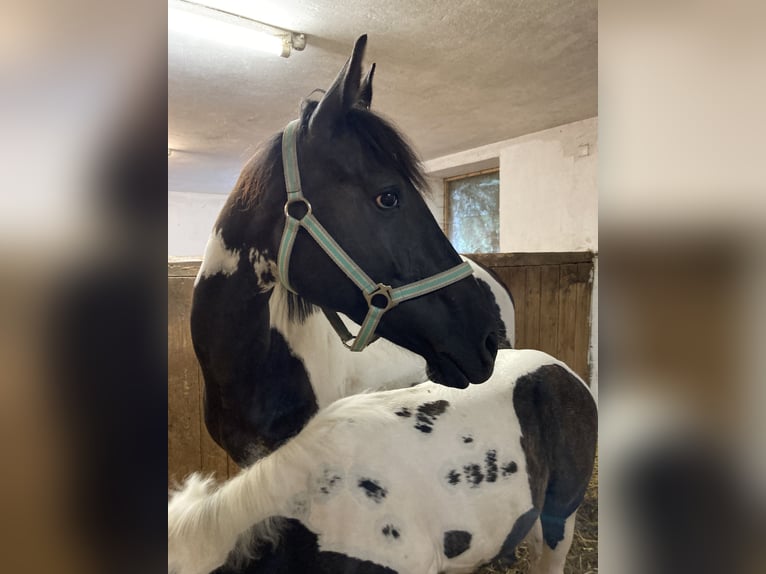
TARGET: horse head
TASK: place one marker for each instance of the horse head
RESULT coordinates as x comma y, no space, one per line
362,184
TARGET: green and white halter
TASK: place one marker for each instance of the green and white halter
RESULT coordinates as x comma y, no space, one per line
380,298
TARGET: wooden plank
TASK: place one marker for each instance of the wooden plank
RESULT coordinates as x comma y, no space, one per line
515,278
183,391
529,259
582,323
532,308
567,314
549,309
212,457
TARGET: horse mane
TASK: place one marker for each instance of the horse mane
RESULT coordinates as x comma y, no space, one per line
376,134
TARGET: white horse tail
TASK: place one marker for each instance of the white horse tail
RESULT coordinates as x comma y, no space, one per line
206,522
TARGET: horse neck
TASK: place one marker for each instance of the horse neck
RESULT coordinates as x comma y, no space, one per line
333,369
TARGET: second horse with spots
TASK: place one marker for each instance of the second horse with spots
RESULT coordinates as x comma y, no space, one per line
386,482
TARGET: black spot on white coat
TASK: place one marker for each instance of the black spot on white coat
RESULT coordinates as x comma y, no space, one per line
428,413
456,542
510,468
473,474
373,489
328,481
390,531
491,461
453,477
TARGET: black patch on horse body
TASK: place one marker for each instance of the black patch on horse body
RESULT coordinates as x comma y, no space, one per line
372,489
428,413
502,332
519,530
257,393
510,468
456,542
337,563
298,552
403,412
491,460
553,529
559,425
390,531
467,439
453,477
473,474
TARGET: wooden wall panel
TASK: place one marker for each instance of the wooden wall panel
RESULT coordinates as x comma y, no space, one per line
184,423
552,292
531,312
190,447
549,308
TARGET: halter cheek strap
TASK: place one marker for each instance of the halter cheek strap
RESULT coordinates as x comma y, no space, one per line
380,298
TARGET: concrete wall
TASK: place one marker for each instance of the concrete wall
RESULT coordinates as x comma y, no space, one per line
548,187
190,219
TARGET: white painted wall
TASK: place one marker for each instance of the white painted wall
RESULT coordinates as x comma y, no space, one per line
548,187
190,219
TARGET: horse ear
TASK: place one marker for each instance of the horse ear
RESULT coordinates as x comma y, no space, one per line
343,93
365,92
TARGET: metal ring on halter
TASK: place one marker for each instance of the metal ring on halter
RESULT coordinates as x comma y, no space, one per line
381,290
296,200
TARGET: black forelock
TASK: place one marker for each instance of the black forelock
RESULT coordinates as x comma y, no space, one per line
388,146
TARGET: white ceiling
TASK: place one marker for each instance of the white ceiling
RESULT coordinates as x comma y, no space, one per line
451,75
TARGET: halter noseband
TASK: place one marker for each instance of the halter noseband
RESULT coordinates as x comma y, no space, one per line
380,298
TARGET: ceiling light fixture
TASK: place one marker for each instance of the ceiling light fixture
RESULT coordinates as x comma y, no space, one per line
226,27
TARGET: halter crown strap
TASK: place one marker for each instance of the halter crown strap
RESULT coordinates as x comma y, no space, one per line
380,298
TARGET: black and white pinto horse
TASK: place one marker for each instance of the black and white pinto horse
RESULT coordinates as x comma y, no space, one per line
421,479
271,359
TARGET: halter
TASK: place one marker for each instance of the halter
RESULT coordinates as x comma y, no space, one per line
380,298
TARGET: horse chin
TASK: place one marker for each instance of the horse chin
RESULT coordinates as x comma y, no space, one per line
444,371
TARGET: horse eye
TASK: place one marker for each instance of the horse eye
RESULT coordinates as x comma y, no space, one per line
387,200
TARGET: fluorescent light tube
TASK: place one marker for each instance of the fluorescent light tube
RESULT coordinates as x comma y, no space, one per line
227,32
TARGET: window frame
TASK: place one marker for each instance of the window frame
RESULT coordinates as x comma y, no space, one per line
447,206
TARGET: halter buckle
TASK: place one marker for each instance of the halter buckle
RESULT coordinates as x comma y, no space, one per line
292,200
384,291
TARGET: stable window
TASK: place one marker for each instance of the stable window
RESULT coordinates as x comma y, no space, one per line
472,219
